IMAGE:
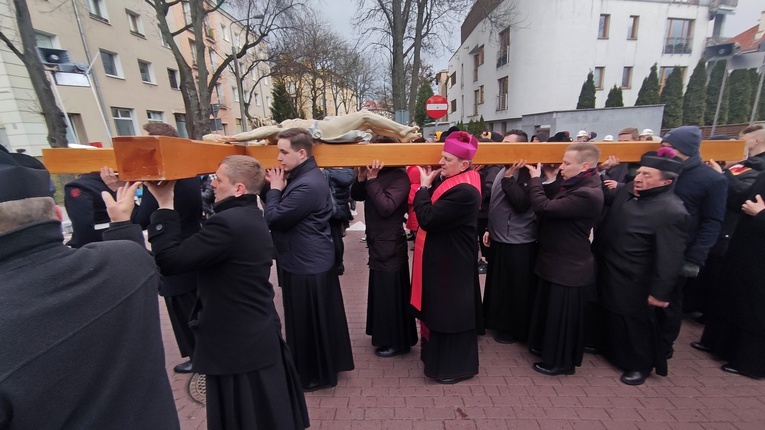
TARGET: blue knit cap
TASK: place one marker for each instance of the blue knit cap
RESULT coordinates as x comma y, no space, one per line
686,139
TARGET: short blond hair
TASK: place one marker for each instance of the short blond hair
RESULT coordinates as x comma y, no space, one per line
18,213
246,170
586,152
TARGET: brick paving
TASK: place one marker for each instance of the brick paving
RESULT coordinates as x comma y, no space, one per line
393,394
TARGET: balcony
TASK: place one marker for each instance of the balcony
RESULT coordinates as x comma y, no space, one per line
502,102
723,6
503,56
678,45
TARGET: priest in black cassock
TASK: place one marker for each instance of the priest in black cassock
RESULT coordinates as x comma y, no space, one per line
639,247
445,269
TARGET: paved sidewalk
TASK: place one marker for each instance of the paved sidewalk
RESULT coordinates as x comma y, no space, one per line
507,394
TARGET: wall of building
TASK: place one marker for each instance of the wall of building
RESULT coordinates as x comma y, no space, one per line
602,121
554,45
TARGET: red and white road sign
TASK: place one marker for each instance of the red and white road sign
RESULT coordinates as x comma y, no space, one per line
436,107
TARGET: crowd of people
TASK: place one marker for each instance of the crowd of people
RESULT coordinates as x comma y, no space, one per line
582,256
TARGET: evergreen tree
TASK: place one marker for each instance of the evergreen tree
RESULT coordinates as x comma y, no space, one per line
587,95
713,93
741,97
694,101
281,106
615,97
649,90
425,92
672,98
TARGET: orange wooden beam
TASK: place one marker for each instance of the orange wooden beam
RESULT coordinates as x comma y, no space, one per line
166,158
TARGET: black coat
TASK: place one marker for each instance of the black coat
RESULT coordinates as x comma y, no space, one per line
187,202
450,256
339,180
236,326
298,218
640,248
81,346
86,208
743,271
565,222
385,205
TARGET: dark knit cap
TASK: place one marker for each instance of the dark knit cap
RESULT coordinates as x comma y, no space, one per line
22,182
686,139
663,160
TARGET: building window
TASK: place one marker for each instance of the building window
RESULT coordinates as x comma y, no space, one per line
235,91
123,121
43,40
502,85
147,74
111,62
134,20
71,132
193,51
477,61
97,10
213,60
627,77
180,125
598,77
453,79
187,12
162,38
664,73
477,99
209,32
221,94
504,48
453,106
172,76
224,32
679,36
256,96
604,23
155,116
632,28
239,124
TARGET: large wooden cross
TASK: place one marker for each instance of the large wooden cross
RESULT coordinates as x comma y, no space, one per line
168,158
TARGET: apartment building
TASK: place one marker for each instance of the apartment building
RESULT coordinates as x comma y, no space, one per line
539,63
135,75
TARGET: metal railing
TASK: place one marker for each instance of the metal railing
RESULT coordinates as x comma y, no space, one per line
678,45
503,56
502,102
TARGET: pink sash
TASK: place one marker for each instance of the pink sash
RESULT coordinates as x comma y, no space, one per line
468,177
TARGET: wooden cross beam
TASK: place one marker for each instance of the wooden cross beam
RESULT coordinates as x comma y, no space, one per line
167,158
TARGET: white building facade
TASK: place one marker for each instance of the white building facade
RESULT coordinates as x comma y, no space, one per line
540,62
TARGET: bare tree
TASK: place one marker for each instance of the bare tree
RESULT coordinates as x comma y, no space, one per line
412,27
54,117
261,19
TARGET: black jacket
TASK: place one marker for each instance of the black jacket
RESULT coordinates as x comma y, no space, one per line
565,222
236,326
385,205
80,339
640,248
299,220
86,208
340,180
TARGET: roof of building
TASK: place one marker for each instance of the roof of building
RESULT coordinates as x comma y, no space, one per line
747,39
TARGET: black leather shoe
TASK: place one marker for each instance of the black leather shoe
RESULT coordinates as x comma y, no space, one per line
450,381
591,350
634,377
701,347
730,369
537,352
552,371
313,386
504,337
386,352
183,367
669,354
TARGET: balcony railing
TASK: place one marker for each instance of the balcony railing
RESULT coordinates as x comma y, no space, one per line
678,45
503,56
502,102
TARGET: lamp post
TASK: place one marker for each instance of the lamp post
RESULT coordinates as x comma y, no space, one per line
239,90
